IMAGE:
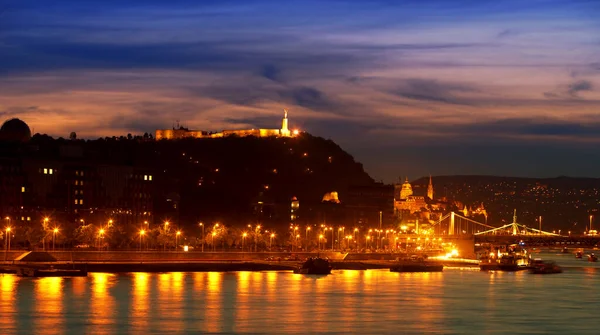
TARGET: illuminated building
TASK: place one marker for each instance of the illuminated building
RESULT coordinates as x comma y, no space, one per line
181,132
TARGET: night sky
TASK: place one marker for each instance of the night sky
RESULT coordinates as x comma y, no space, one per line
407,87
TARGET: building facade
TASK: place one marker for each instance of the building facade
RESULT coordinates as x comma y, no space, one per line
181,132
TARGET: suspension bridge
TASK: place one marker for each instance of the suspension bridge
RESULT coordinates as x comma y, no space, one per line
456,224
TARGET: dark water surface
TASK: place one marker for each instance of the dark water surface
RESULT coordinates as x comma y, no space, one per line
368,302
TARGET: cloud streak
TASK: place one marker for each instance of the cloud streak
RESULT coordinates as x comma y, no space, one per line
416,72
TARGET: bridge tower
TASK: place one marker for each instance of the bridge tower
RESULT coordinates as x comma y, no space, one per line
514,226
451,227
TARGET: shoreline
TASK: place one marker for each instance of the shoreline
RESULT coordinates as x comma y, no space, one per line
203,266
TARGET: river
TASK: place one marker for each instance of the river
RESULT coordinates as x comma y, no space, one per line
459,300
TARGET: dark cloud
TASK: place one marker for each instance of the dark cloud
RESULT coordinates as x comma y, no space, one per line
308,97
506,33
271,72
579,86
536,127
571,91
432,90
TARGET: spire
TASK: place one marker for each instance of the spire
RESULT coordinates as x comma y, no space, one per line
284,124
430,189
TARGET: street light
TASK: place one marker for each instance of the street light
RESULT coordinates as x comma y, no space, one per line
54,237
320,238
213,240
298,235
307,230
243,238
142,233
202,225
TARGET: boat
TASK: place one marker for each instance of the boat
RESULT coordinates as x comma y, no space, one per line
314,266
417,266
49,272
565,250
513,262
579,253
488,263
592,257
539,266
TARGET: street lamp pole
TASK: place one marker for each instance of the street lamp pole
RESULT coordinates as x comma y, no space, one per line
307,244
44,238
8,230
176,237
142,232
54,237
271,242
332,239
202,225
243,239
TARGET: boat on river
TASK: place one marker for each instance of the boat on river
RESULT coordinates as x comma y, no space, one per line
579,253
314,266
592,257
514,259
565,250
417,266
49,272
513,262
539,266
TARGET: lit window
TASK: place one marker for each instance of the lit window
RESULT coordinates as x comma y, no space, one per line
76,182
75,201
145,177
45,171
28,218
81,183
22,218
81,201
22,189
150,177
77,173
50,171
82,173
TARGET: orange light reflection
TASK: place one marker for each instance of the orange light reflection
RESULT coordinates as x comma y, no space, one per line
49,306
8,285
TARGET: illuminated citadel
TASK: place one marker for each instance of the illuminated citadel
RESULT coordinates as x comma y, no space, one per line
181,132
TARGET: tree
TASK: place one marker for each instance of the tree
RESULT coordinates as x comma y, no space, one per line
86,234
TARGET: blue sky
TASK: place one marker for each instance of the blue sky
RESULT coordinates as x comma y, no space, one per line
407,87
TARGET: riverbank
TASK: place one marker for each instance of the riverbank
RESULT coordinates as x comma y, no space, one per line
203,266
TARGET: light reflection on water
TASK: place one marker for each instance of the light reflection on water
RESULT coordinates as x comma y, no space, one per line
50,291
374,301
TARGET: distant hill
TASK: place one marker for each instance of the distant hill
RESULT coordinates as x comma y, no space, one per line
564,202
230,176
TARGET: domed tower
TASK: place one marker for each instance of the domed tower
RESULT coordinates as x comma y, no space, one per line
15,130
406,190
